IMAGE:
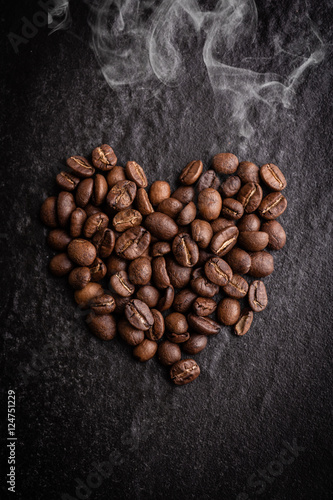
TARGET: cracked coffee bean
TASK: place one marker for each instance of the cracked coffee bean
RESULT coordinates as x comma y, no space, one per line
250,197
104,158
185,250
232,209
184,371
223,241
202,286
202,232
67,181
105,304
80,166
237,287
160,273
125,219
208,180
244,322
165,302
257,296
132,243
139,315
156,331
191,173
95,223
218,271
104,241
272,206
273,177
97,270
136,174
203,325
121,195
203,306
120,284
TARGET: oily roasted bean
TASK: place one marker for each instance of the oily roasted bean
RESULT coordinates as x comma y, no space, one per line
139,315
121,195
161,226
191,173
208,180
67,181
262,264
239,260
149,295
232,209
168,353
244,322
225,163
170,207
176,322
257,296
202,232
218,271
276,234
156,331
230,186
166,300
125,219
272,206
195,344
209,204
97,270
160,273
105,304
183,300
79,277
120,284
104,327
84,192
81,252
221,223
203,306
145,351
273,177
100,190
132,243
184,194
104,158
77,221
185,250
136,174
48,212
58,239
115,175
184,371
83,296
203,287
223,241
253,241
140,271
143,203
228,311
203,325
132,336
250,197
249,222
115,264
237,287
65,207
60,264
80,166
248,172
159,191
160,248
95,223
187,215
104,241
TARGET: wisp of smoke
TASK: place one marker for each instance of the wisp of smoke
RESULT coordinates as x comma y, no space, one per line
59,17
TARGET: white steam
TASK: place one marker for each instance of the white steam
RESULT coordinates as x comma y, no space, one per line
59,17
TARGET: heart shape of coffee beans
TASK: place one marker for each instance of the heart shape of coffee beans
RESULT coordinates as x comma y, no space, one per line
131,256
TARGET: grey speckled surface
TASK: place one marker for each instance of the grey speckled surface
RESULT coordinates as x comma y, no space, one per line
81,401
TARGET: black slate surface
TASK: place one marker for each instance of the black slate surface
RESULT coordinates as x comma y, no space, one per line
258,421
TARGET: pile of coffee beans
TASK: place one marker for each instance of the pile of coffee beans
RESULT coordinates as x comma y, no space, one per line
165,270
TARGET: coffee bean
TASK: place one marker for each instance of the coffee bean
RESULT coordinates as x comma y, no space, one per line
65,207
120,284
183,300
254,241
136,174
170,207
139,315
104,327
225,163
100,190
273,177
168,353
185,250
80,166
115,175
203,325
104,158
221,223
184,194
195,344
218,271
77,221
187,215
176,322
178,338
60,265
276,234
67,181
95,223
145,351
272,206
132,336
230,186
104,241
209,204
79,277
250,197
105,304
239,260
223,241
257,296
82,252
184,371
140,271
156,331
143,203
58,239
125,219
244,322
203,257
203,287
232,209
262,264
121,195
166,300
160,274
228,311
204,306
237,287
191,173
132,243
149,295
159,191
84,296
248,172
115,264
84,192
208,180
97,270
160,248
161,226
48,212
249,222
202,232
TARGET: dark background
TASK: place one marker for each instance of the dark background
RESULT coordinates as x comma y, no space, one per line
80,401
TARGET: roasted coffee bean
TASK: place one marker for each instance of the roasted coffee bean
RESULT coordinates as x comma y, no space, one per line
79,277
161,226
80,166
65,207
115,264
132,243
168,353
149,295
143,203
159,191
58,239
91,210
225,163
184,194
84,296
48,212
272,206
244,322
203,257
218,271
203,287
131,335
104,157
223,241
257,296
237,287
166,300
276,234
97,270
77,221
136,174
84,192
156,331
178,338
140,271
203,325
208,180
105,304
202,232
191,173
176,322
121,303
195,344
204,306
120,284
183,300
250,197
160,248
104,327
145,351
104,241
273,177
249,222
248,172
221,223
121,195
160,274
60,265
262,264
187,215
185,250
170,207
95,223
239,260
254,241
67,181
209,204
139,315
125,219
115,175
179,275
82,252
228,311
230,186
184,371
232,209
100,190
